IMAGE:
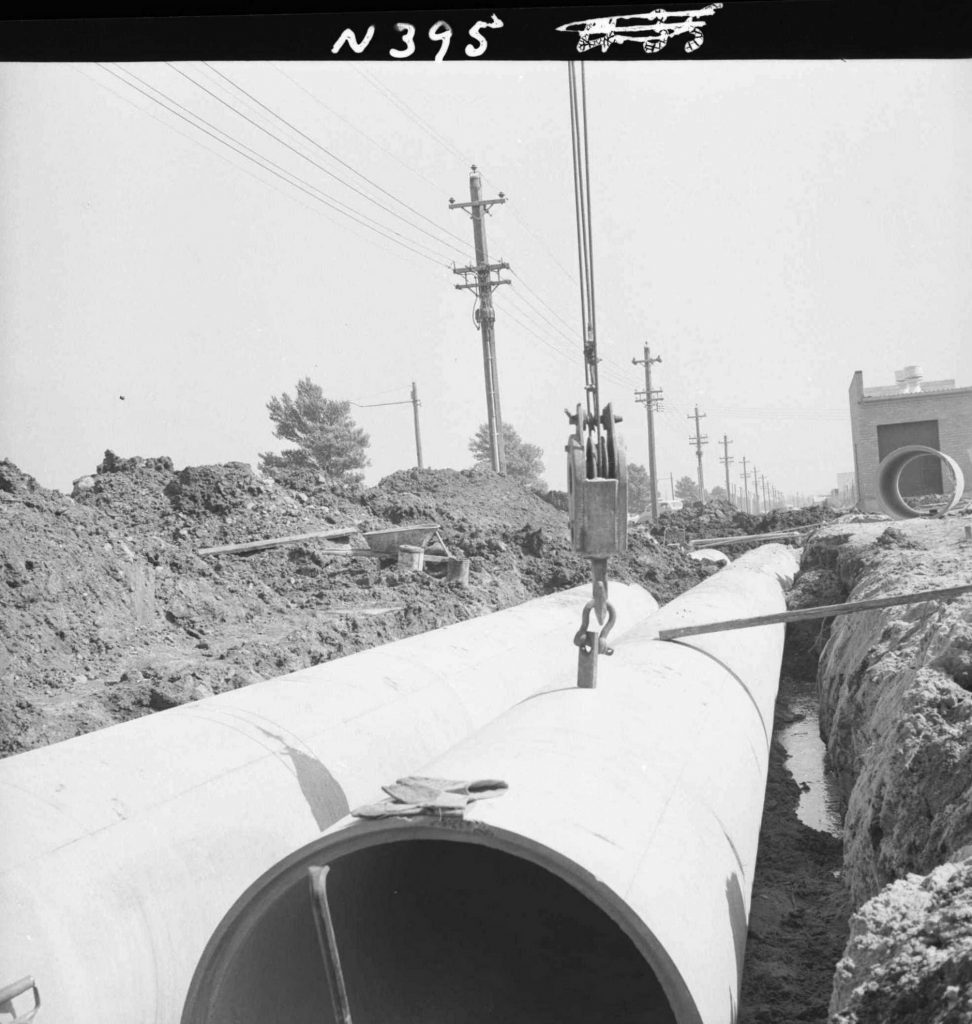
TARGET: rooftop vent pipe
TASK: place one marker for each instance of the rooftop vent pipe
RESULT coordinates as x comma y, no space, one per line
610,883
909,379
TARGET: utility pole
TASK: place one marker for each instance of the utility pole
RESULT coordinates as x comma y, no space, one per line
727,459
755,491
698,441
671,481
650,404
745,479
765,502
479,279
418,434
414,403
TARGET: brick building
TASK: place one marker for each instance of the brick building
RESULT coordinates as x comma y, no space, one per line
912,411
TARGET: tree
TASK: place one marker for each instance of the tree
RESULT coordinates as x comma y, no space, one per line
522,459
639,488
687,489
718,494
326,436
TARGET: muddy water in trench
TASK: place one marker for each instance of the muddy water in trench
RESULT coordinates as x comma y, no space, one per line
819,806
799,913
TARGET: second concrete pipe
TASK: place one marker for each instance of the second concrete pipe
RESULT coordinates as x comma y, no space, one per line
611,883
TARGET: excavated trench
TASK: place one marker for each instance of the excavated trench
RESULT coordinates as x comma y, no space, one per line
862,902
799,916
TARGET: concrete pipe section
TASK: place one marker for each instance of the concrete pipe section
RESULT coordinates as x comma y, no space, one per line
889,478
123,849
609,883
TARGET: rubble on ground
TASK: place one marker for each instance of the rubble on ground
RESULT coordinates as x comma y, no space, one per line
909,956
895,687
721,519
108,612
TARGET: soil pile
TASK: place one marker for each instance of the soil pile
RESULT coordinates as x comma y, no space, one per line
721,519
108,612
505,528
909,957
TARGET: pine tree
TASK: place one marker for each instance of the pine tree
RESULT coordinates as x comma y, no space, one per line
326,436
523,460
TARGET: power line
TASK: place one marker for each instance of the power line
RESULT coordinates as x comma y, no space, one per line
446,144
271,167
545,304
568,357
572,278
538,312
388,152
220,156
410,113
304,156
343,163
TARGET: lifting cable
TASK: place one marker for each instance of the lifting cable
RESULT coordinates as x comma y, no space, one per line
585,241
596,468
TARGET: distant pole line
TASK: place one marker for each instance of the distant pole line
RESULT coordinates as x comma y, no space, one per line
726,458
650,404
479,279
698,441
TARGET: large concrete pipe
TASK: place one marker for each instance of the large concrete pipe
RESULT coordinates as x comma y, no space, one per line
889,481
123,849
610,883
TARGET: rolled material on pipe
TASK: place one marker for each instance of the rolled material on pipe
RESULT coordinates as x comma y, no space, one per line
123,849
611,882
889,480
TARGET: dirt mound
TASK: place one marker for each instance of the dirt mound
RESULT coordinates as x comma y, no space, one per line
721,519
909,957
504,527
13,481
109,612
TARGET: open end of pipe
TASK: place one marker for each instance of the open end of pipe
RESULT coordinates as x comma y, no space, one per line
889,482
427,932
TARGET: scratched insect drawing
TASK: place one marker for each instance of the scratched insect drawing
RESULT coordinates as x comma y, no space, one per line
653,30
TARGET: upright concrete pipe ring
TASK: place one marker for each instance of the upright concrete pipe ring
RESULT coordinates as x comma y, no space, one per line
611,882
889,477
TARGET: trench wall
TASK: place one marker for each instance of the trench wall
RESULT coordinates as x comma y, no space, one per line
895,700
895,689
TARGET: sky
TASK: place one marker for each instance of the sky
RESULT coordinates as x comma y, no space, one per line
767,228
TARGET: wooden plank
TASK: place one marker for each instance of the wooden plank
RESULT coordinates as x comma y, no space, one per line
708,542
274,542
363,611
824,611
